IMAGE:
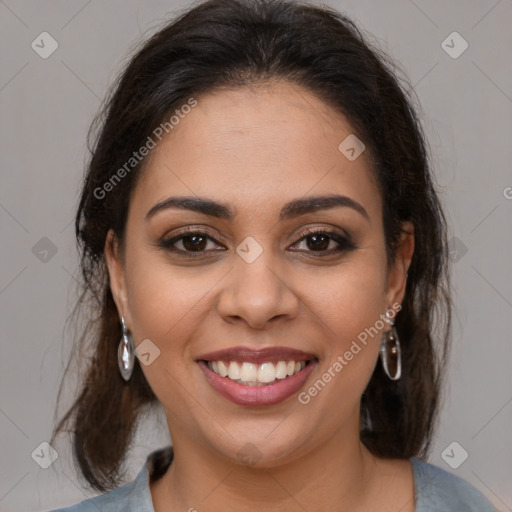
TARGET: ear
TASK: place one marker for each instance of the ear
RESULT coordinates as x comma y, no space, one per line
397,273
116,271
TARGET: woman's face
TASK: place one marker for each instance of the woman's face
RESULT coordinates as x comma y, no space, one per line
258,284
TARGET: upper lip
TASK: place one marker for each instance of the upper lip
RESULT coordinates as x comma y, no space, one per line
257,355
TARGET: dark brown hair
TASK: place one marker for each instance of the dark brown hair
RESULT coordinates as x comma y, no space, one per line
233,43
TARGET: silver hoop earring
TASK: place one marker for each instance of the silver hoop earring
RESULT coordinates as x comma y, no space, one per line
390,353
125,353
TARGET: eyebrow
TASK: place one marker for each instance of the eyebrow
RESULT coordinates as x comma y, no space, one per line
290,210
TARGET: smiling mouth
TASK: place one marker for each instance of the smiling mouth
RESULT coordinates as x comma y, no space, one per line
257,376
252,374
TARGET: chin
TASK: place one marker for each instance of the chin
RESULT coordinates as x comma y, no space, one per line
260,451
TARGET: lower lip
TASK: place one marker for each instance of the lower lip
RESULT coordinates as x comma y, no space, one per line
268,394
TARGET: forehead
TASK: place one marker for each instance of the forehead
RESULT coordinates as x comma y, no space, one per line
255,148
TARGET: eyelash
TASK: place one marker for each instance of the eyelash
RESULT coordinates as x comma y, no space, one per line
345,243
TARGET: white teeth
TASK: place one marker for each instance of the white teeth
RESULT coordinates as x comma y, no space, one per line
266,373
223,369
256,374
281,370
249,372
233,371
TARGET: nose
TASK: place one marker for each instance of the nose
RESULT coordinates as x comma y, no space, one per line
258,292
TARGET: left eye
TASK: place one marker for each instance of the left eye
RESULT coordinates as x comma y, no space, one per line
319,241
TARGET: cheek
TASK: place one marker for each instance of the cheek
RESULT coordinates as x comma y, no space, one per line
350,304
162,297
165,303
350,347
349,298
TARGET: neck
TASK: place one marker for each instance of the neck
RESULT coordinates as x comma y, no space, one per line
341,467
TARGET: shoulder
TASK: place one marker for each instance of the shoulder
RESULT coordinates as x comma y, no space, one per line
134,496
112,501
437,489
125,498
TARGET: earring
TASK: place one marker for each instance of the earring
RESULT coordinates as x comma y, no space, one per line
390,354
125,353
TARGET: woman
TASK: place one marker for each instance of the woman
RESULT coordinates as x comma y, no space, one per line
258,226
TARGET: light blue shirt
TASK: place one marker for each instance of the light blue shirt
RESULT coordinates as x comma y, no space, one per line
435,490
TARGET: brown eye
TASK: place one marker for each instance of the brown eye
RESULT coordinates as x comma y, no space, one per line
189,243
326,242
194,242
318,242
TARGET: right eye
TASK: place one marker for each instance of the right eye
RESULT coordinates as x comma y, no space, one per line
191,242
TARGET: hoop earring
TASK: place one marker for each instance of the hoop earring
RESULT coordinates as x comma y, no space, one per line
125,353
390,353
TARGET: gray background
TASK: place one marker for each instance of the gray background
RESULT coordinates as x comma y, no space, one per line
46,106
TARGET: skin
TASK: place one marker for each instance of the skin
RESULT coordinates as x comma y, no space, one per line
255,149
